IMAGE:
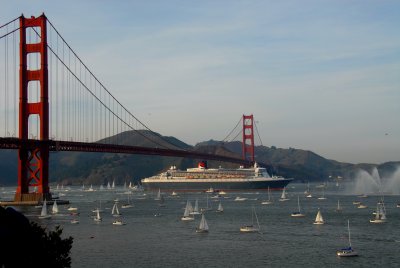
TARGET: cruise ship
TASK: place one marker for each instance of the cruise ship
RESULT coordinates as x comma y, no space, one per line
202,178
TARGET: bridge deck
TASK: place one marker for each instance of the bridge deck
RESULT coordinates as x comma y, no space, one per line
30,203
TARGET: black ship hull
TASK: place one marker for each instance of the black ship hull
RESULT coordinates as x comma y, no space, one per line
216,186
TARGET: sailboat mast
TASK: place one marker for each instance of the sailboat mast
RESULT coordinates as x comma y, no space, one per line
348,227
298,203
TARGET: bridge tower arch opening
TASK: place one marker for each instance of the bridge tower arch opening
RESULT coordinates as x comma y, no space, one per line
33,161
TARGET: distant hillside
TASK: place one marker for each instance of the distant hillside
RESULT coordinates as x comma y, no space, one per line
100,168
303,165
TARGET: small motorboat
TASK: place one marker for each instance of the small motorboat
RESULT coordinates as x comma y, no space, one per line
118,222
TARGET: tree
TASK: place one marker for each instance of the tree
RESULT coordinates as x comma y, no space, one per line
25,243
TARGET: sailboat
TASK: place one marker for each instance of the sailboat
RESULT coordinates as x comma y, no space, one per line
186,214
115,210
208,206
338,208
54,209
98,209
319,219
158,197
195,209
97,217
298,212
220,208
74,221
307,192
283,196
203,226
210,190
118,222
90,188
251,228
43,213
380,215
161,203
349,251
361,205
129,204
269,200
323,195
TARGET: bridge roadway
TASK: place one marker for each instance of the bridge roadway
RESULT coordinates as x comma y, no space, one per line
54,145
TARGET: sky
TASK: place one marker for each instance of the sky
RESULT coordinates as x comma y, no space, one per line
319,75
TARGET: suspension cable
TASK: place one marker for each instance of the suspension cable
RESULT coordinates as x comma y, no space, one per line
145,126
258,134
113,98
240,120
10,22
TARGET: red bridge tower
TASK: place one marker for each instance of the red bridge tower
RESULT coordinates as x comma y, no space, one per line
248,138
33,162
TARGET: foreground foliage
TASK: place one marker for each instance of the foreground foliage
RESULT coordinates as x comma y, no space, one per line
26,243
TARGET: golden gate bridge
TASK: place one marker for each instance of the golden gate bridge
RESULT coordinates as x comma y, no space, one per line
53,102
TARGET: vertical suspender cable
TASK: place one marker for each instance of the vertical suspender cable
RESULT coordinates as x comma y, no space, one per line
50,90
59,135
15,82
5,86
63,121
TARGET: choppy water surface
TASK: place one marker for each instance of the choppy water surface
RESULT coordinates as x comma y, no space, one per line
166,241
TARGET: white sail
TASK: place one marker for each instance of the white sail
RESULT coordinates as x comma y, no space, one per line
186,214
187,209
196,208
220,208
55,207
113,184
338,208
319,219
43,213
190,207
158,197
203,224
97,217
283,196
115,210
